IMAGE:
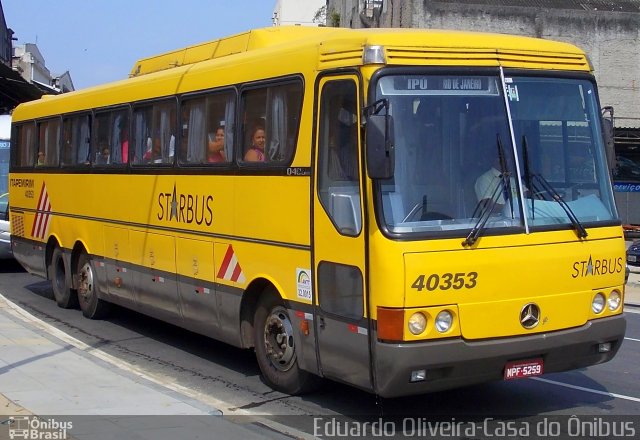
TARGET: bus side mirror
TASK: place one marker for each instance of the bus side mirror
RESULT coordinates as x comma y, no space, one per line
380,146
608,137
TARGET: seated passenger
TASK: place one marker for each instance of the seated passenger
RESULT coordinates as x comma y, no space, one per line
153,154
489,182
104,158
258,140
215,146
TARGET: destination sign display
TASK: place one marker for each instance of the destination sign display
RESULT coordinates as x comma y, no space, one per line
441,83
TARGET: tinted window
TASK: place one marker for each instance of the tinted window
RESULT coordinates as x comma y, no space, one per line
26,145
207,129
338,176
154,133
271,122
111,144
76,139
48,143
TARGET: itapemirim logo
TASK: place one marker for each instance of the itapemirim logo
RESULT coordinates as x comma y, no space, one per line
35,428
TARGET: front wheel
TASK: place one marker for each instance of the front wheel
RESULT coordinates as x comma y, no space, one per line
276,351
92,307
60,280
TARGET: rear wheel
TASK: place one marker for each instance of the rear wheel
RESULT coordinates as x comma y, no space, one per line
92,307
276,351
58,274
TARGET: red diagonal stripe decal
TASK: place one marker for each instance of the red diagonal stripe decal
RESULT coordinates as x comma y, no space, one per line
225,262
236,273
37,219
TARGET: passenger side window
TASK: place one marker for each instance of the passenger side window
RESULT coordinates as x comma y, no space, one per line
207,129
338,175
271,123
76,139
26,142
111,144
48,143
154,130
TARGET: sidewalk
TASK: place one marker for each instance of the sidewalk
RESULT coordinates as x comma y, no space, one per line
78,395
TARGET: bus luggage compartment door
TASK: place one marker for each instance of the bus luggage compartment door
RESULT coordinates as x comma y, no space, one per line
155,279
118,270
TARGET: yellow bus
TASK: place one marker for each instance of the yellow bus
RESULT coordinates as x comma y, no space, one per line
402,211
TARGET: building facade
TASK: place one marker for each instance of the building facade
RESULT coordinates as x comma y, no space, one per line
29,62
298,13
24,75
608,31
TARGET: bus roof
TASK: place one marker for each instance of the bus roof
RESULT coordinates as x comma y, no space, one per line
284,50
339,41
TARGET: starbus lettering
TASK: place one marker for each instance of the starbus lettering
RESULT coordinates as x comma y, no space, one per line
185,208
596,267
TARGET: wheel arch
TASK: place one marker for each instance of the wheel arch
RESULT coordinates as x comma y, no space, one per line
252,294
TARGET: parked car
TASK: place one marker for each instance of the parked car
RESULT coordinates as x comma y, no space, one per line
633,256
5,237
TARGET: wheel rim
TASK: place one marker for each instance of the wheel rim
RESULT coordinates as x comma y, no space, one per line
85,284
278,339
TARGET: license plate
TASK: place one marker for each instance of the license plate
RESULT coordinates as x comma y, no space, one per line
520,369
632,258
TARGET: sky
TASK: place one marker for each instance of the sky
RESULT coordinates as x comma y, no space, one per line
99,41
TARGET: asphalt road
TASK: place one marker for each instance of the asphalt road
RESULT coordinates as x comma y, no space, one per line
232,376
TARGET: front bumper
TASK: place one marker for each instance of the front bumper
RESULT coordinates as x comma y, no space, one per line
454,363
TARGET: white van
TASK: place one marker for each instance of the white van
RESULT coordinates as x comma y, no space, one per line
5,135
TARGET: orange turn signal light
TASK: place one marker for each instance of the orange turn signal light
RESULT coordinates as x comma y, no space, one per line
390,324
304,327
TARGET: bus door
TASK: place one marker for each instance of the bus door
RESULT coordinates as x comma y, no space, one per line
338,236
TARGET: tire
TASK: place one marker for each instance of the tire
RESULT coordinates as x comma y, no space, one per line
60,278
275,349
92,307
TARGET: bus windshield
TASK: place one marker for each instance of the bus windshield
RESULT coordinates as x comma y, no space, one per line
466,154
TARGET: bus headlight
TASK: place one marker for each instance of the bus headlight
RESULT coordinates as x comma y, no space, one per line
597,305
444,321
417,323
614,300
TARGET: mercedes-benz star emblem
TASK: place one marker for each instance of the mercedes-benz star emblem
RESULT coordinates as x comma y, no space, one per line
530,316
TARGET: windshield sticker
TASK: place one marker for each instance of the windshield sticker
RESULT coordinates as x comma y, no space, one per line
303,282
512,93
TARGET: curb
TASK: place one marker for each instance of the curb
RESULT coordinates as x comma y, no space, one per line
9,408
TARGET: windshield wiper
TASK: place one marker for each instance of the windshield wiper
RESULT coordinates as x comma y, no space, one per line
581,232
503,188
527,173
506,174
532,178
486,210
